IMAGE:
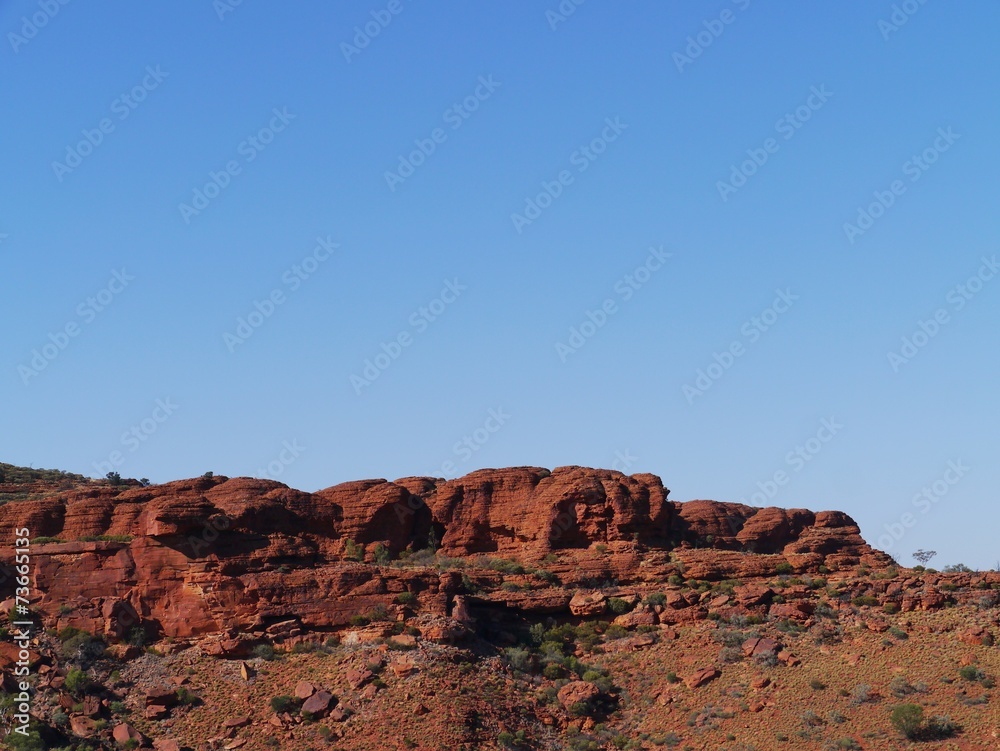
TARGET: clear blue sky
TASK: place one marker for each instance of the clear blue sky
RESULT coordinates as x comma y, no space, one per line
633,126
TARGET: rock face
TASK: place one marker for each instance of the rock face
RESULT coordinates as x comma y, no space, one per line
195,557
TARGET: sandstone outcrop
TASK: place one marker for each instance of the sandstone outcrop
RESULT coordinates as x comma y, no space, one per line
198,556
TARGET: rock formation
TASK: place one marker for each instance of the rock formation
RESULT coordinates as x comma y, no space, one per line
197,556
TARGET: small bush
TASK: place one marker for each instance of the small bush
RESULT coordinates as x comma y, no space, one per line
264,651
861,695
784,568
619,606
901,687
971,673
615,631
908,719
731,654
382,554
553,671
352,551
505,566
136,636
817,685
406,598
77,682
942,726
519,659
864,600
658,598
284,703
811,719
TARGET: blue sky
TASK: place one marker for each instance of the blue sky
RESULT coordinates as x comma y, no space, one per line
776,196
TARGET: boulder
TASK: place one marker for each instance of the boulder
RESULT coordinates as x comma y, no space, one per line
701,677
577,692
318,703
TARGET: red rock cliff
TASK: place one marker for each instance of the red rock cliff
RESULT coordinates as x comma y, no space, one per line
195,556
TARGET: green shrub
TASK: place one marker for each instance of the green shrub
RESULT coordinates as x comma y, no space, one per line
553,671
619,606
505,566
942,726
657,598
863,600
136,636
264,651
77,682
406,598
358,620
382,554
353,551
908,719
971,673
284,703
615,631
784,568
519,659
